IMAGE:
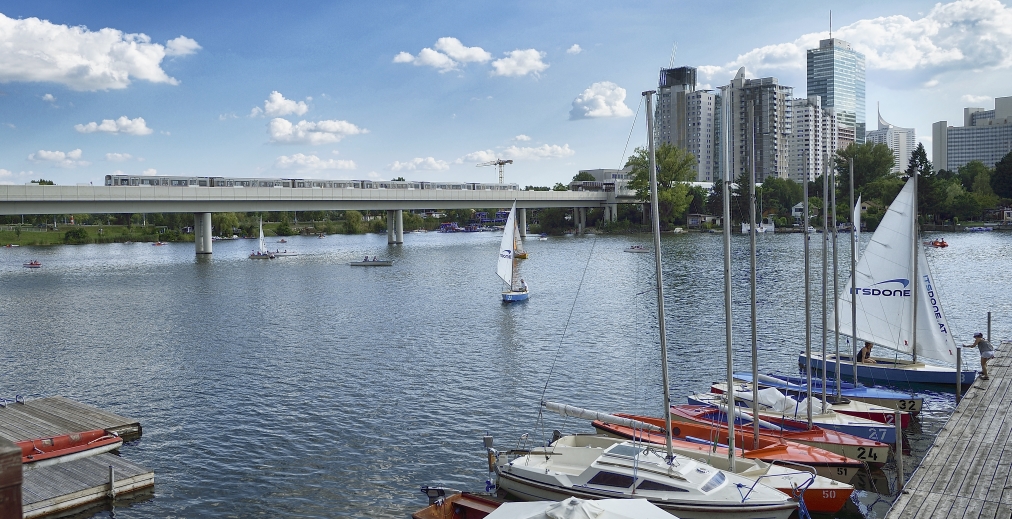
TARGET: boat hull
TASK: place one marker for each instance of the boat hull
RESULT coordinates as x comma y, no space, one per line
459,506
377,263
876,396
886,371
851,408
513,297
530,490
42,452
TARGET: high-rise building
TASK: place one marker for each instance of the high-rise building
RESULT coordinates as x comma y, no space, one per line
759,122
813,138
684,117
900,140
986,135
836,74
700,136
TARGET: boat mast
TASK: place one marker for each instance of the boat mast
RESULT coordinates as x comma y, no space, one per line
751,218
914,281
853,269
825,274
727,284
656,223
808,305
836,287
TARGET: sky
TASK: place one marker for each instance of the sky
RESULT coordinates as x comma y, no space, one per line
428,90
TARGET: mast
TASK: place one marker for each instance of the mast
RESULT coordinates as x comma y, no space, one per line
825,274
853,270
727,288
656,223
751,218
808,307
914,281
836,288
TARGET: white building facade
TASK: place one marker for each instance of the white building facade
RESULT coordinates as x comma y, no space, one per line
901,141
986,136
813,139
758,114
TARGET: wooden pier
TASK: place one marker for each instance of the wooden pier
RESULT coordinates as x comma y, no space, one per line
80,483
967,472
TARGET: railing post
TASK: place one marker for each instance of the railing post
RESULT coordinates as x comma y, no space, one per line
898,421
959,374
989,327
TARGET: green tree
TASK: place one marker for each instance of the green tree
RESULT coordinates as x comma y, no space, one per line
284,228
1001,181
43,182
76,236
930,189
871,162
225,223
559,186
399,179
583,176
674,170
699,196
968,172
353,222
779,195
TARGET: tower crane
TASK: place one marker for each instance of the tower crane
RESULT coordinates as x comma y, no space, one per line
497,162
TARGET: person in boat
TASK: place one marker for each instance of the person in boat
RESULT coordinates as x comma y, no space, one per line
986,352
523,285
366,258
864,355
374,258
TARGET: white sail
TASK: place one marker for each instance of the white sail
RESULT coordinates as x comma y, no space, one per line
857,219
884,291
506,250
263,243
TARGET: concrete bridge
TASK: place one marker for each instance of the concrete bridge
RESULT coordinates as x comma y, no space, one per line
202,201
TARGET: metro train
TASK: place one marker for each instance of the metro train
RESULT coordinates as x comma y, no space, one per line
173,181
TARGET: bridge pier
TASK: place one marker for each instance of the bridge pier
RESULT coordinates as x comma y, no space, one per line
522,222
202,232
399,229
395,227
580,217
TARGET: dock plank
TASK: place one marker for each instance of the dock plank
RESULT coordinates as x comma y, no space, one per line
58,415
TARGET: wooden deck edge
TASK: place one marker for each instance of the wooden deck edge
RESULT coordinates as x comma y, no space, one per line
87,496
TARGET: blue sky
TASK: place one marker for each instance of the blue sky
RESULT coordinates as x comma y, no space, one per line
425,90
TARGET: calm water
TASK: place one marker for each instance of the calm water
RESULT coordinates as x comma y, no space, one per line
303,387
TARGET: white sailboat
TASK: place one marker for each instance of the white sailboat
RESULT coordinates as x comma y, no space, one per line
885,306
262,252
506,267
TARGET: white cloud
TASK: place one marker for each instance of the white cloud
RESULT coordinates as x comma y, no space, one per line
118,157
521,137
150,172
306,132
520,63
978,100
40,51
5,173
304,162
49,97
603,99
427,163
373,174
70,159
453,54
230,115
545,151
181,46
122,125
960,36
276,105
575,49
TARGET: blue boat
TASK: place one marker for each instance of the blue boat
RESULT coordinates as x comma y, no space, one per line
894,372
795,385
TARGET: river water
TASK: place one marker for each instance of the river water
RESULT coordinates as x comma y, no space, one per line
303,387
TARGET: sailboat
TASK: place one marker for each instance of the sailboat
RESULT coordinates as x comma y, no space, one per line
885,308
507,265
596,467
262,252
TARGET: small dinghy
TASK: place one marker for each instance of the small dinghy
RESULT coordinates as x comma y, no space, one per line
42,452
34,264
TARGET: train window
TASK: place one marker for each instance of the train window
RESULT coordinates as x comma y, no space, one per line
202,183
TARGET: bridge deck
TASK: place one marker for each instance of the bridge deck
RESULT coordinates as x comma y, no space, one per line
966,473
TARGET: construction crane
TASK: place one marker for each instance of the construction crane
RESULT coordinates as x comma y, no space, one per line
497,162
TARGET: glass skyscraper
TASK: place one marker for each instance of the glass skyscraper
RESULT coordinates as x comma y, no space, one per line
836,74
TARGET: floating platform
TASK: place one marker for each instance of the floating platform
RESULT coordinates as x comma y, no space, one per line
967,472
77,484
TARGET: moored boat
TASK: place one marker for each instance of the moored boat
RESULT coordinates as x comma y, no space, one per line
854,447
34,264
637,249
372,263
449,504
41,452
795,385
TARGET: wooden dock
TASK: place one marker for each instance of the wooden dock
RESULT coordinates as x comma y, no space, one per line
80,483
966,472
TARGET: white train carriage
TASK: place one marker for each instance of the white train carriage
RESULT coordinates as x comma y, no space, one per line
189,181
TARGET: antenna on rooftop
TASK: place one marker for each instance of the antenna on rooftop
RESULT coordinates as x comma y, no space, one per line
674,50
831,24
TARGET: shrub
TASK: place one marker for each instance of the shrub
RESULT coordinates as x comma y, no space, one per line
76,236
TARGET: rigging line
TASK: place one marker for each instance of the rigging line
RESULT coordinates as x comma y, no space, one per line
563,338
629,138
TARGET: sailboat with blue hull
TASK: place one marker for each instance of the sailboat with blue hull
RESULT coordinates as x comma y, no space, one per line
506,267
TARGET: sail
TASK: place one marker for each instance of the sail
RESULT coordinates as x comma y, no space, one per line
857,219
884,291
263,243
506,249
589,414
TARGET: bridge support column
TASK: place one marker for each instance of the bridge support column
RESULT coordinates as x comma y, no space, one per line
522,222
390,227
399,228
202,232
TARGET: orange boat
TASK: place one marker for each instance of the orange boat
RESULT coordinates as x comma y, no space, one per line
860,449
41,452
827,464
463,505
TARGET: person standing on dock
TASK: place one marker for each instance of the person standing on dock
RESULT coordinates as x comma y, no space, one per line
986,352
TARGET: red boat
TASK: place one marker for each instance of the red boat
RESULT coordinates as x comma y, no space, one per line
41,452
822,496
860,449
34,264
